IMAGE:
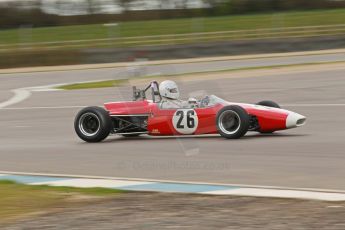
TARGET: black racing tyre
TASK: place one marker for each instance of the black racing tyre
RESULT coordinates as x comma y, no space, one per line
131,135
269,104
92,124
232,122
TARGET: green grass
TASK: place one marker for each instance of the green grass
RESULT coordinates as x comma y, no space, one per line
175,26
17,199
113,83
91,85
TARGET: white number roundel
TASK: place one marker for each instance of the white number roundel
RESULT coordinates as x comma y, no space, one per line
185,121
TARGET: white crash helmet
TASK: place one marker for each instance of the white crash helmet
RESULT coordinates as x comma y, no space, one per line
169,90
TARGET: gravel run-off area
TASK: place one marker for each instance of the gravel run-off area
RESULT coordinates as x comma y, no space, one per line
185,211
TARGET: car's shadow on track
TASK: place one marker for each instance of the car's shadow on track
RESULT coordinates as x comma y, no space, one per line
115,138
272,135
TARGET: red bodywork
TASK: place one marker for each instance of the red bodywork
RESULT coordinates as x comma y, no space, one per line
160,121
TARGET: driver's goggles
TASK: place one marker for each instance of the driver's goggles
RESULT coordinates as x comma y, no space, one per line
173,90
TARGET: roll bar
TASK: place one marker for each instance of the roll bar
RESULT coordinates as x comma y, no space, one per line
139,94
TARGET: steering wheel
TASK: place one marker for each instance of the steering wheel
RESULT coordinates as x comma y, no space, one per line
205,101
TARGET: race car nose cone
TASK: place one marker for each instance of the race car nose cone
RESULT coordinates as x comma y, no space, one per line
295,120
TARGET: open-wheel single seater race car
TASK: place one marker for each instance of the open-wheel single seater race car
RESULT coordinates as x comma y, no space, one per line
210,115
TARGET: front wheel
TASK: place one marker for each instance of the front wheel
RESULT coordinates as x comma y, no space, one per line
232,122
92,124
271,104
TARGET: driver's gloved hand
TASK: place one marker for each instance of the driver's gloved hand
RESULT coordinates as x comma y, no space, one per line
205,101
192,102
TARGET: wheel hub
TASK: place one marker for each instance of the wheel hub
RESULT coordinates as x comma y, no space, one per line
229,122
89,124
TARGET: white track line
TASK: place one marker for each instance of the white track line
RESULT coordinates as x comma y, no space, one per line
22,94
173,187
46,107
92,183
204,188
171,181
280,193
314,105
19,96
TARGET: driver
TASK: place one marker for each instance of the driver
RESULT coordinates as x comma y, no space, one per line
170,96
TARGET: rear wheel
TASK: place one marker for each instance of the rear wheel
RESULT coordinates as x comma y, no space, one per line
92,124
232,122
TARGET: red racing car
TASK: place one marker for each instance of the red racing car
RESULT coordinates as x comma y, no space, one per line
210,115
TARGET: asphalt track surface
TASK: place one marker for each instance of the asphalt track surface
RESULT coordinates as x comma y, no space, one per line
42,140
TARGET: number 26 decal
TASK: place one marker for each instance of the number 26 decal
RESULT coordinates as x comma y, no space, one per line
185,121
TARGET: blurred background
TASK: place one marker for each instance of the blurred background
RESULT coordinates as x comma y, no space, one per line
59,32
38,107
